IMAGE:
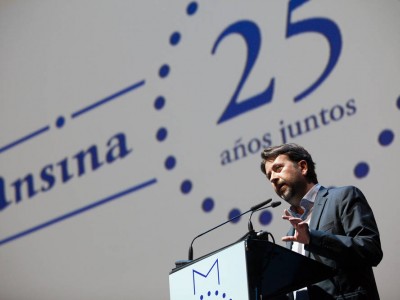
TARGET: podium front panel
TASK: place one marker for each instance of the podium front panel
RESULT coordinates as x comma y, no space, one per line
221,275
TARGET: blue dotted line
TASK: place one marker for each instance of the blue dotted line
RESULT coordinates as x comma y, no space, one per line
385,139
160,102
217,294
170,162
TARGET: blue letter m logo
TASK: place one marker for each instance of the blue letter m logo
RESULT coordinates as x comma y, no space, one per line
205,276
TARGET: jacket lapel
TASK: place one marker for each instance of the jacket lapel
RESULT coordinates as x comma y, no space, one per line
319,205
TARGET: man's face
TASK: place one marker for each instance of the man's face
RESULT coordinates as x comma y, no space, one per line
287,178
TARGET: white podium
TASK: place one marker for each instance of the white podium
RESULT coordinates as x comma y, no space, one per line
244,271
213,276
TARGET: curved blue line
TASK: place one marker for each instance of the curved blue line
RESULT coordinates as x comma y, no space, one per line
74,115
107,99
79,211
24,139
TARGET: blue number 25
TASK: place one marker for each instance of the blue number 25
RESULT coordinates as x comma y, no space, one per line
250,32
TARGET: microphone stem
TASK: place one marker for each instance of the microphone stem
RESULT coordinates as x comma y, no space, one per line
231,219
250,224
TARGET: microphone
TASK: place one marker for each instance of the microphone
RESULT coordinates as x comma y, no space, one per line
273,204
258,206
252,209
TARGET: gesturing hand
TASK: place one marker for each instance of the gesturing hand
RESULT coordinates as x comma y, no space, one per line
302,233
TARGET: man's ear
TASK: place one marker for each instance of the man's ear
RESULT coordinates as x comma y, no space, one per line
303,167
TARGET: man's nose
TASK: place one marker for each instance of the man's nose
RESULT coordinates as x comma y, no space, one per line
273,179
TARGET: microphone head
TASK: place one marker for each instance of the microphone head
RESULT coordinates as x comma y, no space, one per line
258,206
276,203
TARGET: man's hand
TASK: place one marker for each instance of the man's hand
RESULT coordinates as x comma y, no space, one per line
302,233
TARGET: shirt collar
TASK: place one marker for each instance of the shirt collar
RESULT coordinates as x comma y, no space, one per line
312,193
307,202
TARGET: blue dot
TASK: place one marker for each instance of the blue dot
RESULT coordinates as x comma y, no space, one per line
159,102
398,102
233,213
186,186
208,204
216,293
265,217
361,170
191,8
162,134
201,297
175,38
386,137
164,71
223,295
209,293
170,163
60,122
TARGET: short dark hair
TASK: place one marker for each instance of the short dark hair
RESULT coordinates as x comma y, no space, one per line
295,153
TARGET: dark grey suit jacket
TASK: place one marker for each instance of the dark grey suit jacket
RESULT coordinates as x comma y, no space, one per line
344,235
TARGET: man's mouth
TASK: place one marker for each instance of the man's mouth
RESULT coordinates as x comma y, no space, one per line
279,188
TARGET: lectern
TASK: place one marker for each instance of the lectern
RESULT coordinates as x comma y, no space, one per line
244,271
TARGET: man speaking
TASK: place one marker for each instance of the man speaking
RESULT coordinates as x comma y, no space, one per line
335,226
